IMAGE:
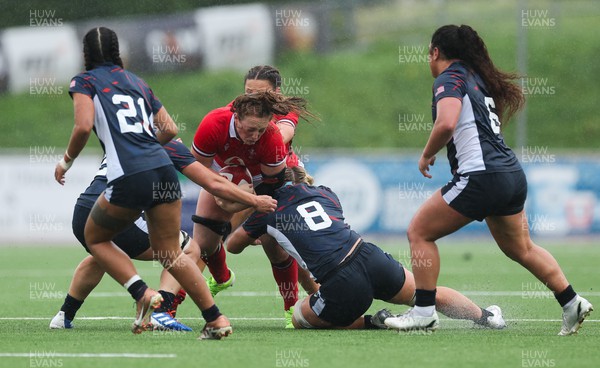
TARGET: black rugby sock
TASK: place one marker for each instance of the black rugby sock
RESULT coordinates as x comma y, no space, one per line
168,299
565,296
137,289
425,298
483,320
368,324
70,307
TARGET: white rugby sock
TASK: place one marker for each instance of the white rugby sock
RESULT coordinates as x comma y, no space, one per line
424,311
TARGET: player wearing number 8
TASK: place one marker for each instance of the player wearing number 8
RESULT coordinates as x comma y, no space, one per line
132,124
470,98
309,224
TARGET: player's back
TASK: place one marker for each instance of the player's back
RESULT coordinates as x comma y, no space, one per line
477,144
124,119
312,220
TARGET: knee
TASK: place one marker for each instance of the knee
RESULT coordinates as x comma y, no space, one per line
298,319
88,262
193,250
89,267
517,254
274,252
414,234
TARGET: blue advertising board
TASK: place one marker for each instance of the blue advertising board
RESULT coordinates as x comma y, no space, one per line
381,193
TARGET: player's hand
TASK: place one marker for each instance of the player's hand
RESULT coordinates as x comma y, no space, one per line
265,204
59,174
62,167
424,163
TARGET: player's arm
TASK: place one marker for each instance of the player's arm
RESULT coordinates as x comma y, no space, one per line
237,241
84,123
166,129
219,186
207,140
234,207
204,160
273,177
287,131
448,111
287,126
272,167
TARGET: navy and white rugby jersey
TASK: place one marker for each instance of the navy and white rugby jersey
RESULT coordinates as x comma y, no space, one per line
124,113
309,224
179,154
477,145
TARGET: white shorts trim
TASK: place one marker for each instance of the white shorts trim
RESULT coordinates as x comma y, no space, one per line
456,189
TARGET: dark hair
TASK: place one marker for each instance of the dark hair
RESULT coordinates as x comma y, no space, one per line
265,72
101,45
464,43
267,103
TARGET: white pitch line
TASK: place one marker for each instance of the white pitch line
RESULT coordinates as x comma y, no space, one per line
523,293
127,318
260,319
526,293
50,355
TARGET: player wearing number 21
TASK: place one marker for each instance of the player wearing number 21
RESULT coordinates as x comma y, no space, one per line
470,99
132,124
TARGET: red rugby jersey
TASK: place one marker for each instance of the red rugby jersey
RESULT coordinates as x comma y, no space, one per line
216,137
290,119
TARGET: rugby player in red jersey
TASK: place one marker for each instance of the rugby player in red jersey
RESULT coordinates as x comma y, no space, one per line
241,133
284,267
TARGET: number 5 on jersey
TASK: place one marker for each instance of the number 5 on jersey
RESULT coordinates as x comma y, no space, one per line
494,119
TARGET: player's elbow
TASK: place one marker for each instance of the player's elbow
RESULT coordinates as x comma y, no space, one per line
170,131
445,126
165,136
83,129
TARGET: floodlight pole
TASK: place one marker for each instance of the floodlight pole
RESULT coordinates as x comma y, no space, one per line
522,70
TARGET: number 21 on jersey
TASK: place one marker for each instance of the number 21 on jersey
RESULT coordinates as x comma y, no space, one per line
131,112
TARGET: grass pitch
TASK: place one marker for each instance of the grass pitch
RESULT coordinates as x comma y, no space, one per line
35,281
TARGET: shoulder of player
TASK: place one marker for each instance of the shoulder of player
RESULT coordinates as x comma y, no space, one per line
220,115
217,119
455,70
258,218
291,118
84,77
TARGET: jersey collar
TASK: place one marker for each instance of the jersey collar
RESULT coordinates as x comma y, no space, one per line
232,132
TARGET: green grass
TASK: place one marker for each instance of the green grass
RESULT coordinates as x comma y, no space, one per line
259,338
362,92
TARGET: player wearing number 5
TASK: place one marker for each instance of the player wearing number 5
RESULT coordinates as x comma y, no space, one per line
470,99
131,124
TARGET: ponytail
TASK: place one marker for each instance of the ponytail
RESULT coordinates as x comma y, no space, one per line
464,43
298,175
267,103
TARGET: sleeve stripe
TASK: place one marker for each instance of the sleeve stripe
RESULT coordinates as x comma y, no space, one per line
278,163
288,122
198,151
